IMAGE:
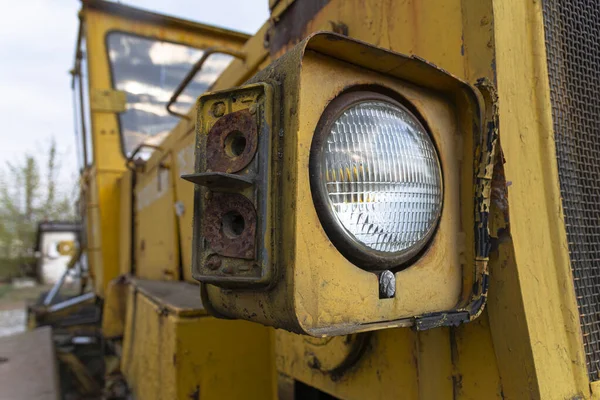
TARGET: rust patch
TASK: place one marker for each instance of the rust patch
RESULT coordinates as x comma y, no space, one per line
291,26
339,28
499,194
230,225
195,394
231,143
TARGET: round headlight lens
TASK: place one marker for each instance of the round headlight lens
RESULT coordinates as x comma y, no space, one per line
380,177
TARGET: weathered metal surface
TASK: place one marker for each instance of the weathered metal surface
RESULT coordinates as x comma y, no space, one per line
114,308
28,366
231,142
335,364
532,346
235,127
108,100
107,242
177,298
290,26
230,225
325,282
156,241
173,350
532,305
219,180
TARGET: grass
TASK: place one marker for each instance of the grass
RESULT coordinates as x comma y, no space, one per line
5,288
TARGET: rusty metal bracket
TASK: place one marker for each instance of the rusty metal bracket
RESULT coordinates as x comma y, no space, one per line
230,225
195,69
232,216
231,142
219,180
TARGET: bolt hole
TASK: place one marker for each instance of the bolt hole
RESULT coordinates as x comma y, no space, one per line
235,144
233,224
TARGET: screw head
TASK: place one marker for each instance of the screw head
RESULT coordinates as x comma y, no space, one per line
387,285
213,263
218,109
227,270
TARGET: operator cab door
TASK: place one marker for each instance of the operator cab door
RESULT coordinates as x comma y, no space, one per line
135,60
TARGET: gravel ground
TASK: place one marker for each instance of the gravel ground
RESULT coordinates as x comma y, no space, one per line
13,302
12,320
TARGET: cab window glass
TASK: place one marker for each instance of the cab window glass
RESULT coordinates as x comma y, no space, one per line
149,70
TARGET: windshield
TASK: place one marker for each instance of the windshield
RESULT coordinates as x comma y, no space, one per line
149,70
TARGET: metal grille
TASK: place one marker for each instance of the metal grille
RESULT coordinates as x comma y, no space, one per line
572,29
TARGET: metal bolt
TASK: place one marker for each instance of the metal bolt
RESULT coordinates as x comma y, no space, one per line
218,109
387,285
213,263
228,269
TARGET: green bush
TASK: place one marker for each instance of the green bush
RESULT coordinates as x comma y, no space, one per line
13,268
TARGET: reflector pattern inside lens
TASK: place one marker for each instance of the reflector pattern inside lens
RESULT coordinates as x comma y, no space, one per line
382,176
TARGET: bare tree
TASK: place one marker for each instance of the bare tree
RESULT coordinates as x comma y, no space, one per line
25,200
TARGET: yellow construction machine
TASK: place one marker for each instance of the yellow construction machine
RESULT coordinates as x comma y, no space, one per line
366,199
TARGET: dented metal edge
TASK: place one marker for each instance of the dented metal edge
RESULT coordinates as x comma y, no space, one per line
487,151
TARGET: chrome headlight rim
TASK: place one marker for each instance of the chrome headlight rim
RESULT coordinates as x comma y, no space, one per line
349,246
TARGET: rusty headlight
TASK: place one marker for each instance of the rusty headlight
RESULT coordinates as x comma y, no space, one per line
375,179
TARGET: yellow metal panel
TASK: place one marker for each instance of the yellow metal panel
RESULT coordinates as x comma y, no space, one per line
156,240
387,370
148,350
476,374
431,29
443,363
107,100
538,261
171,352
223,359
125,222
93,247
324,264
184,194
107,267
434,364
595,388
114,308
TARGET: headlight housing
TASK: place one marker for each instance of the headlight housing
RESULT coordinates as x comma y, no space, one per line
313,271
376,180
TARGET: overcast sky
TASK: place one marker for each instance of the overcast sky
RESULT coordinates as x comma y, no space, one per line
37,40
